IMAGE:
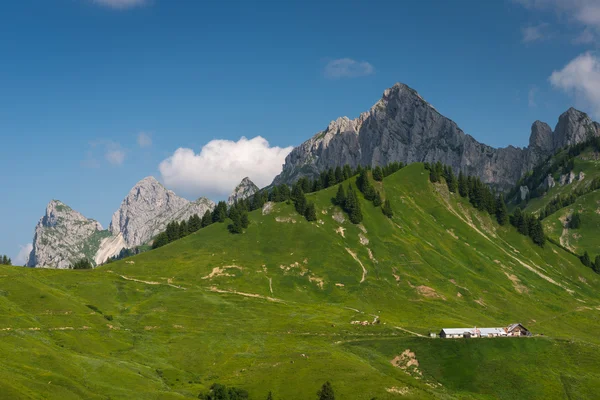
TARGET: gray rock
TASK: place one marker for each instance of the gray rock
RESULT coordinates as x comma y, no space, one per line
245,189
581,176
524,192
549,182
402,126
63,236
570,178
147,210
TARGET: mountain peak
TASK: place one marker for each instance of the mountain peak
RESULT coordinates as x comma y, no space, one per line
243,190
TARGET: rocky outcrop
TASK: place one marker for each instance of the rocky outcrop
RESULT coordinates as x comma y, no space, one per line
147,210
245,189
402,126
63,236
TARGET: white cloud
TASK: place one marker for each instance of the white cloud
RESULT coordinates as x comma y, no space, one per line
534,33
23,256
115,156
121,4
347,68
144,140
586,37
581,77
221,165
584,12
531,96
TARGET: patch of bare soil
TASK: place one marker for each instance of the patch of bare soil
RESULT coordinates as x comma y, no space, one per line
517,283
257,296
362,228
458,294
285,219
395,274
341,231
426,291
451,232
371,257
363,239
480,302
268,207
407,361
301,270
340,285
338,217
221,271
353,254
458,286
396,390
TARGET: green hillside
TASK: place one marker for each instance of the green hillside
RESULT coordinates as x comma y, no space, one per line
272,310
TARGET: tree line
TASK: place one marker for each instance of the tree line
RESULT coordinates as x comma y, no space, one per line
483,198
218,391
5,260
561,201
563,161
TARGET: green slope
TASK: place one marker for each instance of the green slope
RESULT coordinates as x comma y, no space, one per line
170,322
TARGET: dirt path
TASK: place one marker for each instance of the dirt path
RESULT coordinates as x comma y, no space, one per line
169,281
411,332
353,254
529,267
253,295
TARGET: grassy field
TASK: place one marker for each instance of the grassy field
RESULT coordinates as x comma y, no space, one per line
271,309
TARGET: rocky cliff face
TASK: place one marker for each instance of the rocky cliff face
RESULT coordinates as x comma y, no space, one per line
402,126
245,189
63,236
148,208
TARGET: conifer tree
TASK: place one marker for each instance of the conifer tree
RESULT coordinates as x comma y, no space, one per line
501,210
575,222
310,213
597,265
331,177
353,207
340,197
326,392
387,209
378,174
377,199
160,240
245,221
206,219
172,231
183,230
220,212
463,187
537,232
585,259
339,174
347,170
236,221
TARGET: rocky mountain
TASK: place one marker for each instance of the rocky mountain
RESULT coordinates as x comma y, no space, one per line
402,126
63,235
148,208
245,189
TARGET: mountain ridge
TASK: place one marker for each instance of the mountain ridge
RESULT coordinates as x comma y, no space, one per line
402,126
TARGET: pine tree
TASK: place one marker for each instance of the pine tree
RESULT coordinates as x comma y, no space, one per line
299,199
575,222
83,263
310,213
206,219
354,213
501,210
326,392
220,212
331,177
387,209
585,259
378,174
347,170
4,260
172,231
236,221
377,199
183,230
537,233
597,265
451,181
339,175
245,221
515,219
160,240
340,197
463,188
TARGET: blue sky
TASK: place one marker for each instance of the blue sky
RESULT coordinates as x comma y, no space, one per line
96,94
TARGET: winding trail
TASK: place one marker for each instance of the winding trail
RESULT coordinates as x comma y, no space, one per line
353,254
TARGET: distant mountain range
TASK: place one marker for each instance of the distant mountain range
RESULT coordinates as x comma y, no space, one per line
402,126
63,235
